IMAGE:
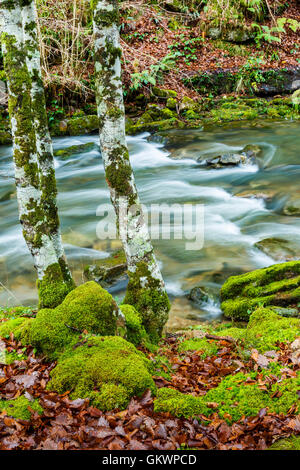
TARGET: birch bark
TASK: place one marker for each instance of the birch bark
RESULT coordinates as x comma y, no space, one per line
51,285
146,289
43,139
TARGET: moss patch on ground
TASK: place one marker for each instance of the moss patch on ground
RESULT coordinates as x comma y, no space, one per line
265,330
203,345
234,397
276,285
19,407
292,443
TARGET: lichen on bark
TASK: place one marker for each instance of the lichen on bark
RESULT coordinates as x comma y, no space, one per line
146,289
31,191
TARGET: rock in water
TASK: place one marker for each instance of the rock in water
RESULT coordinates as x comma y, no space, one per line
278,249
198,295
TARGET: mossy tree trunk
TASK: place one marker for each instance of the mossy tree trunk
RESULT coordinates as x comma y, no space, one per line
43,139
30,192
146,289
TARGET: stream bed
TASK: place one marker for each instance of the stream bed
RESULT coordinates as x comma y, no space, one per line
242,206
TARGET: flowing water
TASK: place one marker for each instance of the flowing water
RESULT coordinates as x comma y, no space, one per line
167,172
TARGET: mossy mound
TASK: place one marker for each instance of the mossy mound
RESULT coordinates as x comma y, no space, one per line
88,308
292,443
18,408
232,399
276,285
265,329
204,346
108,370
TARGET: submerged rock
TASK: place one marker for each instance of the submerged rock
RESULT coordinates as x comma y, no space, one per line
278,249
265,194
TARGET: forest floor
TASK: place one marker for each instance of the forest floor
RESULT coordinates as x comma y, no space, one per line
74,424
148,40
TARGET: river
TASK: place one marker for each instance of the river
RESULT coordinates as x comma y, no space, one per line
167,171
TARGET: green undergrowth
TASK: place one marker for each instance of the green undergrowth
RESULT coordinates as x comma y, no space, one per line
233,398
277,285
14,312
19,407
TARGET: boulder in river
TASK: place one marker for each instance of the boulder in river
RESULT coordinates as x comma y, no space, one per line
107,271
75,149
292,206
227,160
198,295
278,249
246,157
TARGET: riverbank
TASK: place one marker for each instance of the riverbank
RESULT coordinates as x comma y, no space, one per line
210,391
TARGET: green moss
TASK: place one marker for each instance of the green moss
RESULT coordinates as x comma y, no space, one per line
53,288
82,125
162,93
87,308
265,329
234,397
155,126
18,408
136,333
206,347
276,285
233,113
102,365
111,396
10,326
291,443
171,103
74,149
145,293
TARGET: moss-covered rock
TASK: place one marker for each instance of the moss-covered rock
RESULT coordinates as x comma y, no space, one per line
163,93
76,126
19,407
265,330
108,269
74,149
233,398
155,126
88,308
109,370
276,285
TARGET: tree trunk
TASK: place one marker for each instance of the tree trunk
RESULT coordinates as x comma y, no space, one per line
51,284
43,139
146,289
